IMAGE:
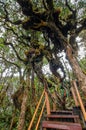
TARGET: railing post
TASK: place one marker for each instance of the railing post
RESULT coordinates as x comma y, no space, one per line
54,104
74,96
47,102
80,100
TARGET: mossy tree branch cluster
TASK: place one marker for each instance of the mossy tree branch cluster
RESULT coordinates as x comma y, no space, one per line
55,29
31,32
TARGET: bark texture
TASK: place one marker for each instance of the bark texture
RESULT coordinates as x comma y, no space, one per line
76,69
23,110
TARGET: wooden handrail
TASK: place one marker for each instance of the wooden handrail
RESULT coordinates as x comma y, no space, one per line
40,116
29,128
74,96
80,100
46,101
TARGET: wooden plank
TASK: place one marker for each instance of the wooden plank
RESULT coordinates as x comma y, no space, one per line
61,125
63,112
62,116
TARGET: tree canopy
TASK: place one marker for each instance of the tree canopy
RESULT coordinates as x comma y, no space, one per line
36,32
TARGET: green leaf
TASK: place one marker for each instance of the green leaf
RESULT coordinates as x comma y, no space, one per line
1,43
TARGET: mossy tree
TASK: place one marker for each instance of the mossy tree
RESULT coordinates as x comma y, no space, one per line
56,25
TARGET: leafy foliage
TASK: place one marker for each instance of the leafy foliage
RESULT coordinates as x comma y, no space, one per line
32,34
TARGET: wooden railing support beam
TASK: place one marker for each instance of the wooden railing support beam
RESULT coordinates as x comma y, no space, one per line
47,102
80,100
40,116
74,96
29,128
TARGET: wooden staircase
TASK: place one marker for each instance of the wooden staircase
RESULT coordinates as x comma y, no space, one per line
61,120
68,120
74,119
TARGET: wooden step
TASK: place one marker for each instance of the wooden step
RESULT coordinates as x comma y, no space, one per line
66,112
60,125
64,118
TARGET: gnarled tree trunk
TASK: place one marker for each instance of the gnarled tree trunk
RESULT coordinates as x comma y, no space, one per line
73,61
76,69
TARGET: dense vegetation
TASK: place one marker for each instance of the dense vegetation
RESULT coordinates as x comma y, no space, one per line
35,34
